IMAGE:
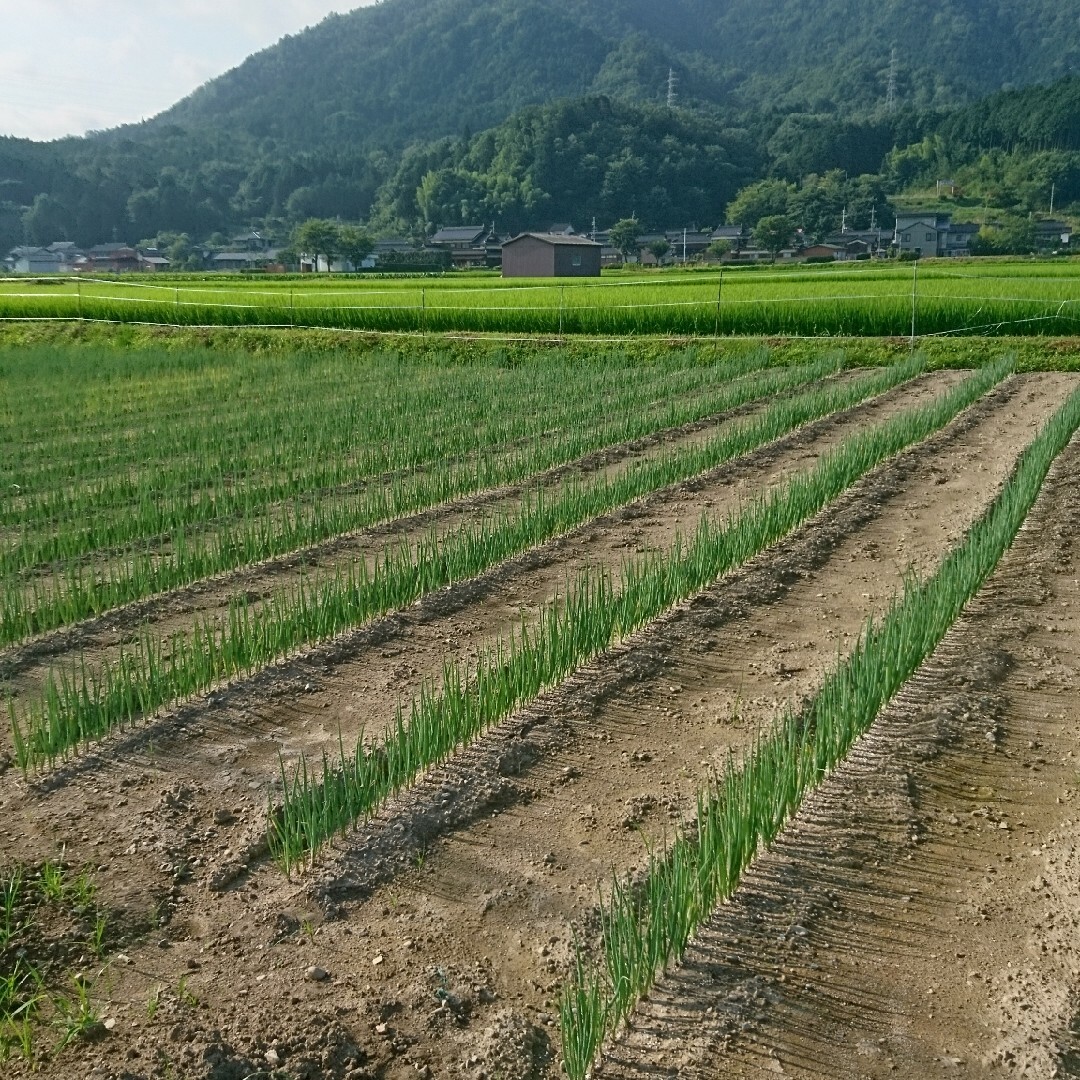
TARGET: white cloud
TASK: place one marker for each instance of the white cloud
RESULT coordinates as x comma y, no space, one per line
71,66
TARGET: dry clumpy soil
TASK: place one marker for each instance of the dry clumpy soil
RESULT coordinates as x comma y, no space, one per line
432,942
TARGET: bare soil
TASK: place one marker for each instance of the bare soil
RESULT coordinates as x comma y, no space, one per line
420,638
444,926
920,917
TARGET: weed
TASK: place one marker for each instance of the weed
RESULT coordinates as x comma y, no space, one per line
51,881
184,995
97,936
76,1016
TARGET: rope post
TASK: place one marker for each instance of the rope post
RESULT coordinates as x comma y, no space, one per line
914,301
78,291
562,300
292,308
719,297
423,310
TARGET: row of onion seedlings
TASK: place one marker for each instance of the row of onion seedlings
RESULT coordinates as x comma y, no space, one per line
81,704
79,590
327,445
646,926
320,802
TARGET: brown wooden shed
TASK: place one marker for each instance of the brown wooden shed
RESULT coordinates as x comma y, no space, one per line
550,255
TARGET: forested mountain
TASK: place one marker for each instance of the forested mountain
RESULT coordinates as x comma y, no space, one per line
403,70
423,112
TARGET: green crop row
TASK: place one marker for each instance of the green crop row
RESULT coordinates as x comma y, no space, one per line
311,445
82,703
78,592
645,927
871,301
571,631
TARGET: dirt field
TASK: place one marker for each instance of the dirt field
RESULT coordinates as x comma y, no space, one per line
919,915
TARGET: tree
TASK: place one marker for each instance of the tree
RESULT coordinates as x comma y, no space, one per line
658,249
354,244
774,233
316,237
46,220
766,198
718,249
1015,237
624,237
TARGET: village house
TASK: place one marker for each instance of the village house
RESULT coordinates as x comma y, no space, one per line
112,259
687,244
551,255
35,260
242,260
1052,234
738,236
470,246
824,251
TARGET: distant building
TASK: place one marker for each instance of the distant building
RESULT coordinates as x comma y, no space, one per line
927,235
112,259
824,251
959,237
247,260
738,236
687,244
470,246
459,237
550,255
1052,234
923,234
36,260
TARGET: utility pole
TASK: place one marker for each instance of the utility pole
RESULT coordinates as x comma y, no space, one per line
672,87
894,68
684,245
843,221
1053,192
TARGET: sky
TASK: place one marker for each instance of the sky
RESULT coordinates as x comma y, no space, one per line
72,66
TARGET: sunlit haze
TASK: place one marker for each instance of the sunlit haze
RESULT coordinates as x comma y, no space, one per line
71,66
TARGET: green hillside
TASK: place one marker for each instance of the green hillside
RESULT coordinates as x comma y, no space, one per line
419,69
421,112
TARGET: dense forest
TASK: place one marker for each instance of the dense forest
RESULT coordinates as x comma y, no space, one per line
415,113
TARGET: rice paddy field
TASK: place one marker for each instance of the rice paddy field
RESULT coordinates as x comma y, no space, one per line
398,708
1007,297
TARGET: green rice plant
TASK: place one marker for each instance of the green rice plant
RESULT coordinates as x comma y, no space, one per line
21,1033
871,299
82,704
320,803
644,929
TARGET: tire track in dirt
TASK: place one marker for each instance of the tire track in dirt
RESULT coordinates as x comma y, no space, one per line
351,676
921,914
445,925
